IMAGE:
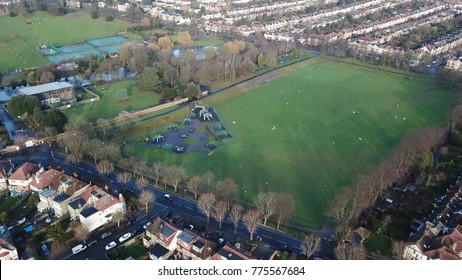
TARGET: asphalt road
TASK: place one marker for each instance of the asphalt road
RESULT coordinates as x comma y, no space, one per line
179,204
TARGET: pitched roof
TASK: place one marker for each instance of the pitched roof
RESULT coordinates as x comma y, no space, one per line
73,184
25,171
105,202
229,254
44,180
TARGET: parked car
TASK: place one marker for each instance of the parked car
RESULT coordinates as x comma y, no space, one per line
91,243
45,250
79,248
48,220
135,208
21,221
110,245
125,237
146,225
168,197
105,235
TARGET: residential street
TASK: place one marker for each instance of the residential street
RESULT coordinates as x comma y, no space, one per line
179,204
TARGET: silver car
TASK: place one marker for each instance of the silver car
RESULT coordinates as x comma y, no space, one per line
111,245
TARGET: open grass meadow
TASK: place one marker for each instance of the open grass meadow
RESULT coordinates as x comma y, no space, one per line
19,36
314,129
108,106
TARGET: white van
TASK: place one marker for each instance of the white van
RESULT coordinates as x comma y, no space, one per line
79,248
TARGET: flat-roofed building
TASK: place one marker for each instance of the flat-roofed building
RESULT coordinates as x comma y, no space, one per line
52,94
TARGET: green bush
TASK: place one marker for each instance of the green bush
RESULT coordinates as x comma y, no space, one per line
113,254
94,15
109,18
13,14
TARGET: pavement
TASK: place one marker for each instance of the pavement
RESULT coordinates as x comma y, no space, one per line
179,204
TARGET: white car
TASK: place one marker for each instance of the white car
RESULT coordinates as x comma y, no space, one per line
147,225
111,245
125,237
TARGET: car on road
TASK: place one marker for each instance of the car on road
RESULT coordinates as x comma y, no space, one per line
146,225
105,235
79,248
125,237
48,220
110,245
91,243
168,197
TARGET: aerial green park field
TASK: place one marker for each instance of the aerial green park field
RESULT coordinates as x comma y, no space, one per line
19,36
108,106
313,130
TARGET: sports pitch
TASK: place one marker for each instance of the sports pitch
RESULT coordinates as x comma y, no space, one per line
20,36
310,132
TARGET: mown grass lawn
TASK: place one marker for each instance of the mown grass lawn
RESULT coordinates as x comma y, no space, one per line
19,39
314,129
108,106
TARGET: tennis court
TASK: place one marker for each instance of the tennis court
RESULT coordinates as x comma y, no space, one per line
98,47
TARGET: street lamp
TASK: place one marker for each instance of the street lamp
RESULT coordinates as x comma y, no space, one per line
245,194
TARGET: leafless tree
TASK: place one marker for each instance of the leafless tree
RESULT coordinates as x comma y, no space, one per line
50,134
219,213
157,170
102,124
227,190
105,167
340,207
141,183
124,177
81,232
111,152
146,198
206,203
208,179
347,251
265,203
74,159
76,124
251,219
175,174
165,43
343,233
93,148
310,244
118,217
194,184
235,215
284,207
184,38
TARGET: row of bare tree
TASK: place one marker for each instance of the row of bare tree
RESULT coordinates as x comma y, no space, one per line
266,205
347,206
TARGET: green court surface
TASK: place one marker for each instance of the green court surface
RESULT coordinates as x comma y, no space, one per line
20,36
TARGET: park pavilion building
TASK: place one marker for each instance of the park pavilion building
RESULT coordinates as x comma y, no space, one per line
52,94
